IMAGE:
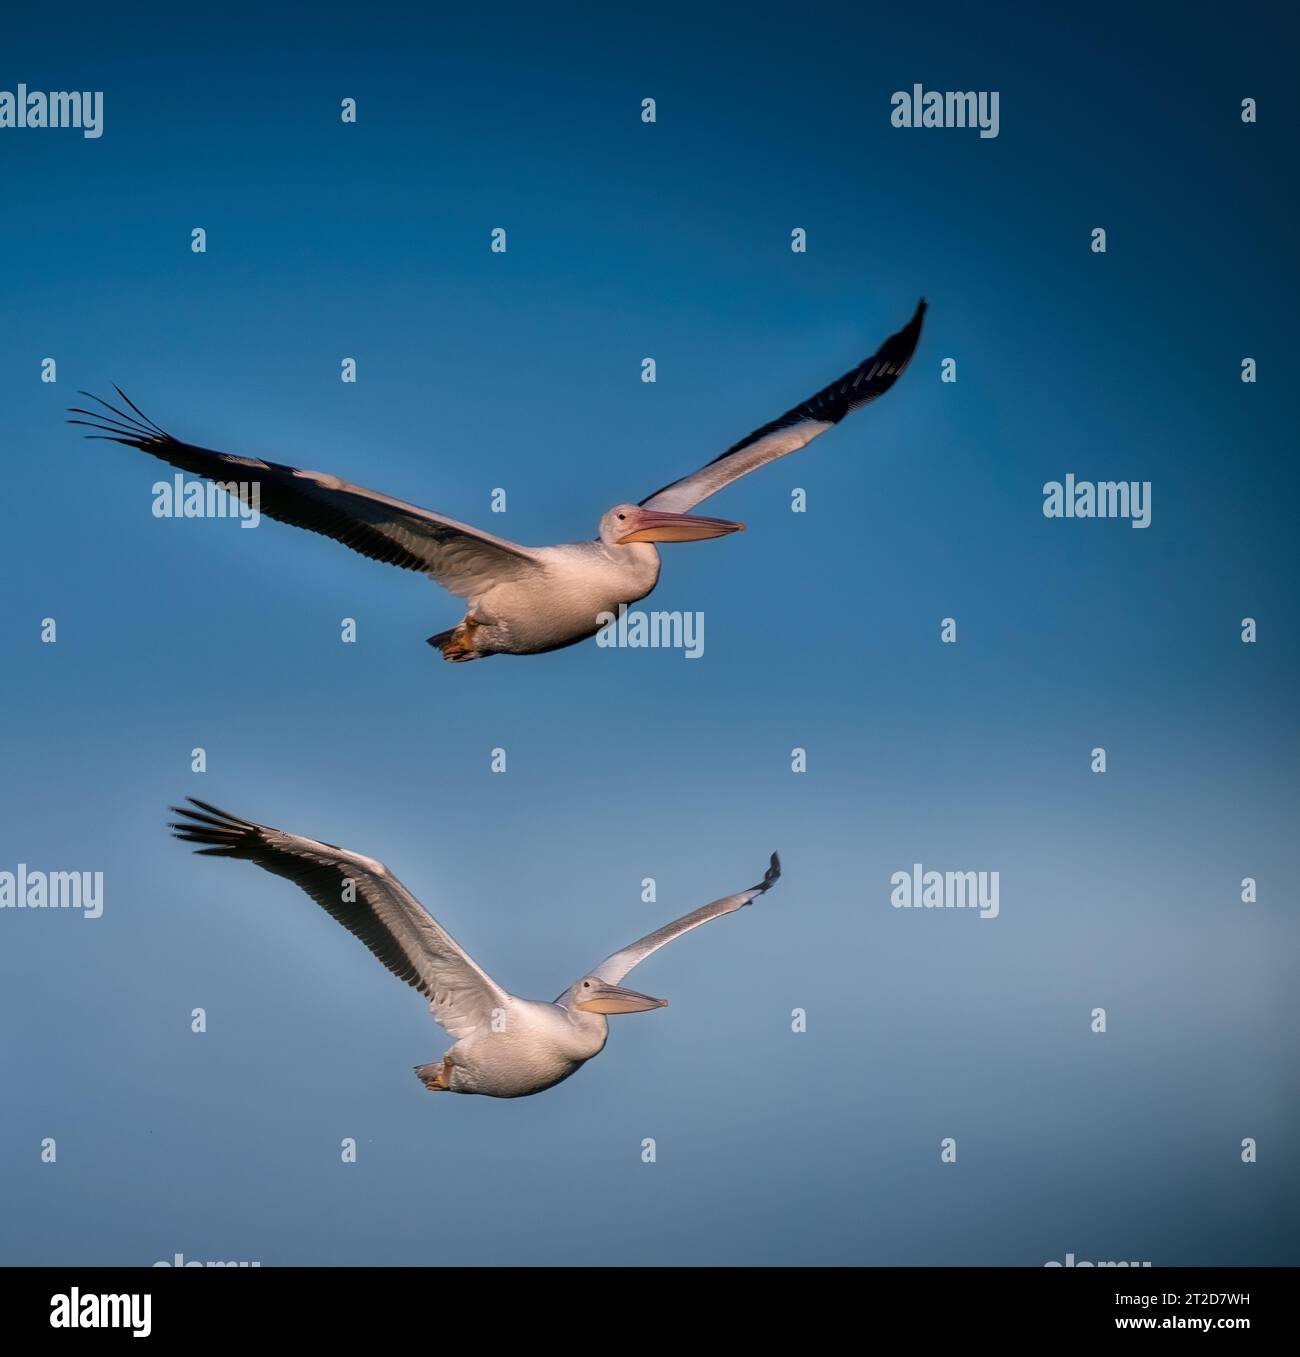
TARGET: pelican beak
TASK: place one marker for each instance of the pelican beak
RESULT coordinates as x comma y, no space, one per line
616,999
651,525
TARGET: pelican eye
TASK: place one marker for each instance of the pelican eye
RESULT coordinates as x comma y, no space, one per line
621,517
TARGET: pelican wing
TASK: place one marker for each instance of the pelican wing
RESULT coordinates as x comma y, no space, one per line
615,967
377,908
459,557
798,427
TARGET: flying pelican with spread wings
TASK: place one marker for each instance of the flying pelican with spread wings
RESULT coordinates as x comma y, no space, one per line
522,600
505,1047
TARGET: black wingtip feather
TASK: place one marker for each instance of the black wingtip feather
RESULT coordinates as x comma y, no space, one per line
865,383
153,424
770,877
136,430
222,833
217,811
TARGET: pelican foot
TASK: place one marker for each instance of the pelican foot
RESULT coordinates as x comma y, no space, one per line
436,1075
457,645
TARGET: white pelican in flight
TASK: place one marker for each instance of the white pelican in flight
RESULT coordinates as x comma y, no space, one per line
522,600
505,1047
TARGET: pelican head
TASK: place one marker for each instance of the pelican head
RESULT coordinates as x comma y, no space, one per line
626,523
590,995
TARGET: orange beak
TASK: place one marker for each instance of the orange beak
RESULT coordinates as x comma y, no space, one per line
616,999
650,525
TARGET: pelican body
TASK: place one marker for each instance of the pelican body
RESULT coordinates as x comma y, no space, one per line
521,600
539,1045
504,1046
559,603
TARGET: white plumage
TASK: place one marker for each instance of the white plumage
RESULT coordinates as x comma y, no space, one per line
521,600
505,1046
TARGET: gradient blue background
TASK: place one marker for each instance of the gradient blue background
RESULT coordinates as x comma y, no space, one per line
523,371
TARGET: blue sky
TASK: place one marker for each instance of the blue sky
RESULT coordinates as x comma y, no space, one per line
522,371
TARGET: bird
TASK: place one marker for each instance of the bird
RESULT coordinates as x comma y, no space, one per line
504,1046
521,600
